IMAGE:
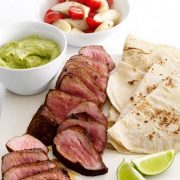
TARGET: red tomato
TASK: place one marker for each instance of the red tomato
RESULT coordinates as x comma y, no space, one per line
52,16
89,30
92,23
76,12
93,4
110,2
61,1
91,14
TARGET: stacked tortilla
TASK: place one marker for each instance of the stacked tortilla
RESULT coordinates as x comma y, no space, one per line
144,90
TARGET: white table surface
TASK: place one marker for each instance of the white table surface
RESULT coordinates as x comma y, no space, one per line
153,20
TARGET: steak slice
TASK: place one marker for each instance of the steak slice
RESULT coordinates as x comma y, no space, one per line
91,109
96,131
97,66
51,174
16,158
43,126
86,78
60,103
99,79
25,142
98,53
75,151
74,86
23,171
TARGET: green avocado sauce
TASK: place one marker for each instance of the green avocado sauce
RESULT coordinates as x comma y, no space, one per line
29,52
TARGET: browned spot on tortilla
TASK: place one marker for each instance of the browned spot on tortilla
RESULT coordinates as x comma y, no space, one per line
132,82
149,89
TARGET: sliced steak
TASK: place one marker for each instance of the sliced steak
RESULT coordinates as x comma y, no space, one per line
43,126
91,109
97,66
86,78
60,103
16,158
25,142
96,131
23,171
51,174
98,53
74,86
75,151
99,79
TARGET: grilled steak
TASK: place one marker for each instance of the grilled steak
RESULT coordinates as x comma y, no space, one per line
74,86
96,131
43,126
97,66
16,158
99,79
91,109
76,151
23,171
60,103
25,142
51,174
98,53
86,78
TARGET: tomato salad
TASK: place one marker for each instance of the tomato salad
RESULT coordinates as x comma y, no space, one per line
83,16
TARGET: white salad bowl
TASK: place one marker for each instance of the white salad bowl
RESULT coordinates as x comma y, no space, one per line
79,40
32,80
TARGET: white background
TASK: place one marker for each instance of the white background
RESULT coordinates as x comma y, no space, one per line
153,20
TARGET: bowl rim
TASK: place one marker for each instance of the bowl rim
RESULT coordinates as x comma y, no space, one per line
95,33
63,50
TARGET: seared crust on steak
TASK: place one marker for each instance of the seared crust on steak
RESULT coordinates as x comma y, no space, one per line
43,126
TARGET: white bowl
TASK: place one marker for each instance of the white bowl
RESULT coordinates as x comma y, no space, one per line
80,40
32,80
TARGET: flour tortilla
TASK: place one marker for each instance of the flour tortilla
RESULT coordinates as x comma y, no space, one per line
153,125
143,55
113,114
122,84
156,74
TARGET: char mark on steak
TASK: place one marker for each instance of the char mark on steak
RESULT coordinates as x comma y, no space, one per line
43,126
51,174
25,142
26,170
98,53
75,151
96,132
16,158
91,109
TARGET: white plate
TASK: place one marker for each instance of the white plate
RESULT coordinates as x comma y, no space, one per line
17,112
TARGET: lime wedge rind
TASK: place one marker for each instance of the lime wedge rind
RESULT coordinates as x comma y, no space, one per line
126,171
157,162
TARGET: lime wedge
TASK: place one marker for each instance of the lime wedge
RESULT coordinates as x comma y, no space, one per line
154,163
126,171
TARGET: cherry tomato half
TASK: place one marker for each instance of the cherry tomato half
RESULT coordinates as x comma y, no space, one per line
93,4
76,12
92,23
52,16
